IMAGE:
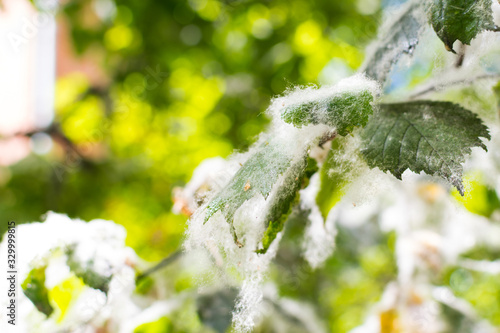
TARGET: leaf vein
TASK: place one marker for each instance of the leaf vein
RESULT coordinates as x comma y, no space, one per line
432,147
401,145
386,137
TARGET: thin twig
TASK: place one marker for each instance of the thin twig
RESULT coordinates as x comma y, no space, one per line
165,262
442,85
461,56
55,132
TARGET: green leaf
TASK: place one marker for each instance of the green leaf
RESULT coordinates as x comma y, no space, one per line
34,288
87,274
428,136
280,209
257,176
400,37
343,111
335,175
461,20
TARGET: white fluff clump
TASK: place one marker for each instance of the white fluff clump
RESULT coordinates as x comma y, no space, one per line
319,237
98,245
211,175
301,95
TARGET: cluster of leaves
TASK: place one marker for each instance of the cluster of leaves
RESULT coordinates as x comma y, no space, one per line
429,136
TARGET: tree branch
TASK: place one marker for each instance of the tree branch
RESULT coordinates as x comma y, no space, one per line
443,85
165,262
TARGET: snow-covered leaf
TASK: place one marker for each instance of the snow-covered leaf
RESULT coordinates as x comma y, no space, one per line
399,37
428,136
461,20
88,275
281,207
342,111
35,290
257,176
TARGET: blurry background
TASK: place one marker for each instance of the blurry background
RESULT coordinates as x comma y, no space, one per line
145,91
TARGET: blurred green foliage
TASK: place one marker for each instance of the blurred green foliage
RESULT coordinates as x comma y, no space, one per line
482,290
351,281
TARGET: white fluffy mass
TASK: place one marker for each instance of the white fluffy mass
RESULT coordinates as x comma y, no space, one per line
242,266
99,244
319,238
